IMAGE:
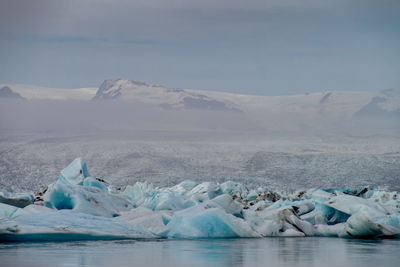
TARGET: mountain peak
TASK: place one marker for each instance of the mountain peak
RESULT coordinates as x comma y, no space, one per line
140,92
111,89
6,92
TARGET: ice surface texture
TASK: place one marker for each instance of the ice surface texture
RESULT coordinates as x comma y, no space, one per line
78,207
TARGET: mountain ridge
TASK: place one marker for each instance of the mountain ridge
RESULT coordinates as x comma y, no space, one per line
327,103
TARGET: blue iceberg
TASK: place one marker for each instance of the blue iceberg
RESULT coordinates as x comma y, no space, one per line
78,206
203,222
68,225
75,172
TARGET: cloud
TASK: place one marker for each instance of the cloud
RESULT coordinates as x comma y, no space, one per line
152,18
181,20
224,44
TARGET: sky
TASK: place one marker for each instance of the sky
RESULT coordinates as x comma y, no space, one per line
261,47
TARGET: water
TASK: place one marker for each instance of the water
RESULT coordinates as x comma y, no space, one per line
222,252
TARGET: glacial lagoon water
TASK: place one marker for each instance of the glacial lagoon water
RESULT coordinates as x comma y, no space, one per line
277,251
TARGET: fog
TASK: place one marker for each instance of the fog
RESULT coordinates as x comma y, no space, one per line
70,117
126,142
119,117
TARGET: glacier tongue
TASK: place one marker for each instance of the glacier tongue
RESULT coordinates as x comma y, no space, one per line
78,206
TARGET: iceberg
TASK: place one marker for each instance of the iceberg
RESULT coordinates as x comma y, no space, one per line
85,199
233,188
184,186
145,195
16,199
89,181
78,206
229,205
202,222
7,211
279,221
154,221
67,225
351,204
75,172
205,191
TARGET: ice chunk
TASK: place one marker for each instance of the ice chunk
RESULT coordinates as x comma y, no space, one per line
318,195
7,211
75,172
317,217
291,232
90,200
363,223
276,221
143,194
233,188
392,220
260,205
205,191
329,215
387,198
67,225
90,181
329,230
351,204
154,221
19,200
228,204
184,186
251,196
300,206
140,194
303,207
168,200
199,222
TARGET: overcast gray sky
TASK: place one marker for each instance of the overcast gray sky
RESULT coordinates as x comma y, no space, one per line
251,46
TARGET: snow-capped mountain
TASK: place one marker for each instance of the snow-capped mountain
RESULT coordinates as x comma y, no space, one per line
140,92
326,104
320,105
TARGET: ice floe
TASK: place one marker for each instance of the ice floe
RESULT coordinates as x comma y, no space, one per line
78,206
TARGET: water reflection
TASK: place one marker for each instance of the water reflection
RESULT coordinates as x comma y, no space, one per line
209,253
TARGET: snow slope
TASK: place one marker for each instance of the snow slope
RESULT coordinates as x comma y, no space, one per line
325,103
40,92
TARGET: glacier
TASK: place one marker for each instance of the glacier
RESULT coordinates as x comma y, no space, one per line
78,206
